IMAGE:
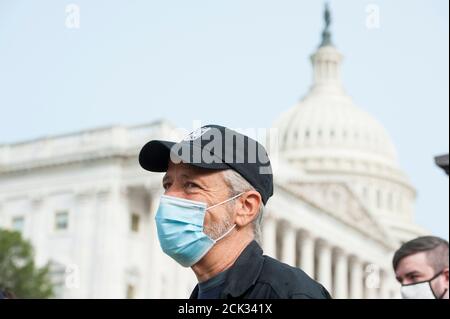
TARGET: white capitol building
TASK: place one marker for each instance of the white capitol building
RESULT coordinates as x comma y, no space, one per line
341,203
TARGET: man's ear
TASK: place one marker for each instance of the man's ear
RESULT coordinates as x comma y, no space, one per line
247,208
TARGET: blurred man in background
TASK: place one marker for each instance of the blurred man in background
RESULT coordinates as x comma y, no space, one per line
421,267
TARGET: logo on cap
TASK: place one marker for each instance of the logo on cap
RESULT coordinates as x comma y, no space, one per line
196,134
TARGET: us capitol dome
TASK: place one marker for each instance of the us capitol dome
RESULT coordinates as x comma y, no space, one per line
328,137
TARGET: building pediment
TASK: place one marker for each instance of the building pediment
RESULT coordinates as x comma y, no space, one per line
338,200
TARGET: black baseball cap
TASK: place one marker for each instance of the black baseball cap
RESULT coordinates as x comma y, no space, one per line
214,147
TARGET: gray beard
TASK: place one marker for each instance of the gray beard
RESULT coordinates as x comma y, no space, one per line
216,230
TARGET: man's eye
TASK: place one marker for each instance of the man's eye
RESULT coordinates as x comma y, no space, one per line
190,185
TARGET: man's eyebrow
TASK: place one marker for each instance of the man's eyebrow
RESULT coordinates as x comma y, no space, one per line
414,272
186,176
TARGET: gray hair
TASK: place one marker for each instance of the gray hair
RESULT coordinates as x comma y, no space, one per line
237,184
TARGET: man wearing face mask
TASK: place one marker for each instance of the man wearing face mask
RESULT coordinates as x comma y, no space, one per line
216,184
421,266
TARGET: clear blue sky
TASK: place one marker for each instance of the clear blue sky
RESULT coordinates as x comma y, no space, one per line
236,62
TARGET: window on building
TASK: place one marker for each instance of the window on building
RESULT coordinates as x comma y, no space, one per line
135,221
400,203
18,223
61,220
365,192
390,201
307,134
379,199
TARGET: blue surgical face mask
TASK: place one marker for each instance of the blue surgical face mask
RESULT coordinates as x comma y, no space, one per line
180,225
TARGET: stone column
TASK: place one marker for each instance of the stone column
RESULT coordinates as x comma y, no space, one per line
356,279
341,275
100,220
41,223
83,258
307,253
372,281
324,265
384,285
289,245
270,236
156,254
110,243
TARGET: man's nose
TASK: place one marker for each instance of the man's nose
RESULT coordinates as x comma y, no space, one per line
406,282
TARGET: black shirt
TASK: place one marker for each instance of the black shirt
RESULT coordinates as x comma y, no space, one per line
256,276
212,288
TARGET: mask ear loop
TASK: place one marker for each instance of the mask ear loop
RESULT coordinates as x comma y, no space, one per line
227,200
234,226
429,283
226,233
443,294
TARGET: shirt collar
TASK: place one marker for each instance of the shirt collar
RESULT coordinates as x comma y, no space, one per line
243,274
245,271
